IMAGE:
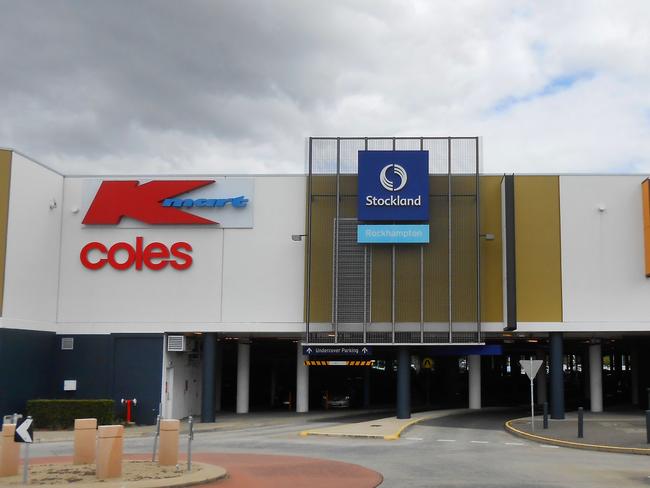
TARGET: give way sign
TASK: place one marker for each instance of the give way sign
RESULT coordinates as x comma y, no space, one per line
531,367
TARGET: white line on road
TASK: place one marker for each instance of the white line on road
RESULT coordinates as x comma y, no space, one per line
446,440
515,444
550,447
479,442
414,438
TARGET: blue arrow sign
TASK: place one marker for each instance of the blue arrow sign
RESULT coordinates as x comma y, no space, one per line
337,350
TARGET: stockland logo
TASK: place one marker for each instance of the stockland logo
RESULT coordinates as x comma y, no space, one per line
399,171
393,185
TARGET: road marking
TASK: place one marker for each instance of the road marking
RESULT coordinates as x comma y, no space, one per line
479,442
550,447
515,444
414,438
446,440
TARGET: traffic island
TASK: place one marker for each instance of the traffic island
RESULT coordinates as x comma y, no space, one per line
135,474
388,429
620,433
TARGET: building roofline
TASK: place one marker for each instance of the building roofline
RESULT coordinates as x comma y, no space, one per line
249,175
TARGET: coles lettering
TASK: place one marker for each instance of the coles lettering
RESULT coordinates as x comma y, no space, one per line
122,255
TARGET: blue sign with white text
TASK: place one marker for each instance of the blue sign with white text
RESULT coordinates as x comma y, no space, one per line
393,185
393,234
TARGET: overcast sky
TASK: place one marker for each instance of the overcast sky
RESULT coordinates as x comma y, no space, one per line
215,86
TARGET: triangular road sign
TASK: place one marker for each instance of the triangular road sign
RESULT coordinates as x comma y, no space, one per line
531,367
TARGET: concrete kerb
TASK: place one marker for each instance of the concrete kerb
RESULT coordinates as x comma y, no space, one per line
574,445
209,473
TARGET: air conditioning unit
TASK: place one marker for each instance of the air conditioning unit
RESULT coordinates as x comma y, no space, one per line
176,343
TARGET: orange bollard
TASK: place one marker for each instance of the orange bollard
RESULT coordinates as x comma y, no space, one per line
169,431
85,440
110,443
9,451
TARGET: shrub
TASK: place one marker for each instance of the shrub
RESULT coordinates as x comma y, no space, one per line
57,414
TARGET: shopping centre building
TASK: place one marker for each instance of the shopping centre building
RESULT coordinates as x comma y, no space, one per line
391,273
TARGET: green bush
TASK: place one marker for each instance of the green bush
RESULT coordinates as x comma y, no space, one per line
60,414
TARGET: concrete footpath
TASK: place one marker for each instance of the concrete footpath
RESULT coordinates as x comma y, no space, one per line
389,428
232,421
606,431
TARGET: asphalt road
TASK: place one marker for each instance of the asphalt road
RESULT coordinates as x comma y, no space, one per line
465,450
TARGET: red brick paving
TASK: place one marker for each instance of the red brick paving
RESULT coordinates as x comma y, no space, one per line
269,471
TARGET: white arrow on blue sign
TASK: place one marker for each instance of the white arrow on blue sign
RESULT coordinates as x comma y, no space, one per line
24,431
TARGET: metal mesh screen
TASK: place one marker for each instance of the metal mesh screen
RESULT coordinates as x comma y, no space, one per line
394,293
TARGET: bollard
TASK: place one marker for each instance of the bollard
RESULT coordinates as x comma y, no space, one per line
85,434
647,426
169,430
545,424
110,445
190,438
581,414
9,451
155,439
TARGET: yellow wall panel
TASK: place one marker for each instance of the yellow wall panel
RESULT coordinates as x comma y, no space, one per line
537,249
491,251
5,183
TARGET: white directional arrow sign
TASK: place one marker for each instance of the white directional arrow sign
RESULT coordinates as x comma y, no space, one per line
309,351
24,431
364,350
531,367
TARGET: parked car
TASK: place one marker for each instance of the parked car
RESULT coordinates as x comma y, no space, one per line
336,400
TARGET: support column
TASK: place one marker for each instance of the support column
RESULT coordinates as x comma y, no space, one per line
208,363
596,377
243,376
634,383
366,387
218,377
542,395
403,383
302,382
557,375
474,364
273,384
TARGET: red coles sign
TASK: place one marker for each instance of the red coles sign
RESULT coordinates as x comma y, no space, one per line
123,255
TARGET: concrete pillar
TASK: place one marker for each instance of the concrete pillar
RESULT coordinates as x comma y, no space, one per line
208,377
274,382
557,375
366,387
85,440
9,451
110,446
218,376
634,380
540,379
169,431
302,382
403,383
474,364
243,376
596,377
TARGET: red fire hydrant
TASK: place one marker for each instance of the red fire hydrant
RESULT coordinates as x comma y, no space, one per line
129,404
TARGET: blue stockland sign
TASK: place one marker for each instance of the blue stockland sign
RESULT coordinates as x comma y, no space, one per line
393,234
393,185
